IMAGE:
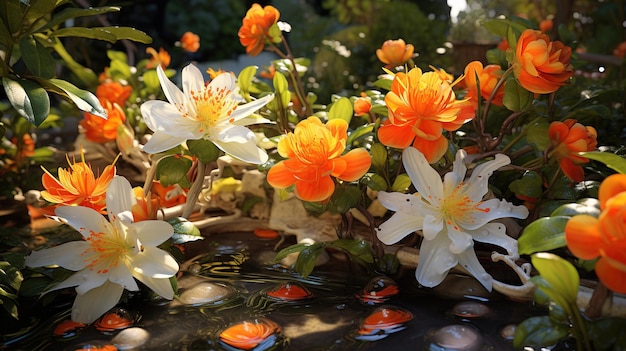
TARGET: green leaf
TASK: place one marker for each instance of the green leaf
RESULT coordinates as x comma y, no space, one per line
244,80
402,183
538,331
357,248
529,185
74,12
289,250
9,303
344,198
374,181
573,209
83,32
28,99
607,333
128,33
537,133
173,170
515,97
613,161
204,149
379,157
559,273
341,109
10,275
184,231
359,132
306,259
11,12
151,79
544,234
83,99
37,58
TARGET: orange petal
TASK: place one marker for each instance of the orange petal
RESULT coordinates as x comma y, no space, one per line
315,191
572,171
611,186
433,150
611,276
396,136
583,236
358,161
280,177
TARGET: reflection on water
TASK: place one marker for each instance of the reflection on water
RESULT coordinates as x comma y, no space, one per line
232,296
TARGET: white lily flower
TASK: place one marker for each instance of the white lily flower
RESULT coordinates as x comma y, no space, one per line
451,214
202,111
113,254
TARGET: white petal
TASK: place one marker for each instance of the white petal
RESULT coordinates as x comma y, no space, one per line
478,182
435,261
432,226
223,81
234,134
162,286
84,219
398,226
495,233
122,275
193,80
459,241
153,232
454,178
172,93
253,119
247,152
90,306
409,204
120,196
246,109
65,255
154,262
470,262
497,209
84,280
163,117
160,142
425,179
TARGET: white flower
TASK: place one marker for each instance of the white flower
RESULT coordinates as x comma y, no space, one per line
200,111
112,255
451,215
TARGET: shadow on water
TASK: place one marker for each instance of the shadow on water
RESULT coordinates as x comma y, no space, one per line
232,296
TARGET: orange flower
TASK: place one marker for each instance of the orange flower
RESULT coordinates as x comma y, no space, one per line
314,155
589,237
255,29
362,105
568,139
503,45
77,185
169,196
146,207
395,53
488,77
114,92
420,106
190,42
100,130
442,74
541,66
162,58
546,25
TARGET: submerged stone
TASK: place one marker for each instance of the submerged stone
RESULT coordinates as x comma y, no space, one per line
470,309
115,319
290,291
67,329
258,335
457,337
383,321
204,293
131,338
378,290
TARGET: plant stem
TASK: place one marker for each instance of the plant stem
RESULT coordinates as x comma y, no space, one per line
194,191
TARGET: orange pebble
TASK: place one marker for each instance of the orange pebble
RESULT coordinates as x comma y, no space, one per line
266,233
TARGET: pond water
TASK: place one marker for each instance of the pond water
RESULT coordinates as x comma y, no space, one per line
234,297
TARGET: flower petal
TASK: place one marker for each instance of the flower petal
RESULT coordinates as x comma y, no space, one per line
425,179
193,80
247,152
314,191
171,91
163,117
583,237
480,176
245,110
155,263
433,225
84,219
435,261
122,275
161,286
66,255
84,280
160,142
279,176
120,196
398,226
152,233
493,209
495,233
470,262
613,277
460,241
86,310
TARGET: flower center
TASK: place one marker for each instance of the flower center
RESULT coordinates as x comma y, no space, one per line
458,207
107,250
211,106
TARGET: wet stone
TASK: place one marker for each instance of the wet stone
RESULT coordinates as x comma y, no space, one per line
204,293
457,337
131,338
290,292
470,309
258,335
378,290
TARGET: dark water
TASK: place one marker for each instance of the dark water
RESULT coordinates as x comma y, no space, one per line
242,268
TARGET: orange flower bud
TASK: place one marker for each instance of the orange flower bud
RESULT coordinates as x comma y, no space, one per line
114,92
190,42
162,58
569,138
362,106
101,130
395,53
488,77
546,25
541,66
